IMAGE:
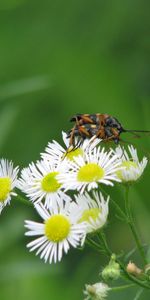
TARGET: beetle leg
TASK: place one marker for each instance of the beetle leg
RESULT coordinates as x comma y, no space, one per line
82,130
114,135
77,145
101,133
71,141
87,119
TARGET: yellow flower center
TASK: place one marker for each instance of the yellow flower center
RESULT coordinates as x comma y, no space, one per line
50,183
74,153
5,188
57,228
128,164
90,213
90,172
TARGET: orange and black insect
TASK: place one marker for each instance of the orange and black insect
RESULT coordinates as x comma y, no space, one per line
102,126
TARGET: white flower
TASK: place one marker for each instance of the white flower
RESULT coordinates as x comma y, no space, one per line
96,166
132,167
54,151
97,291
8,181
93,211
58,232
39,182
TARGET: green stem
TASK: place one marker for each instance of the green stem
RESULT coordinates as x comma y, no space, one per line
139,292
122,287
120,211
117,207
92,244
102,238
23,200
132,226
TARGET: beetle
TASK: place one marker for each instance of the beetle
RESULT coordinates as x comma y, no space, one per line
102,126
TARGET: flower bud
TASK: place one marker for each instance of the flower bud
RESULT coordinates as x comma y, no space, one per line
112,270
97,291
133,269
147,269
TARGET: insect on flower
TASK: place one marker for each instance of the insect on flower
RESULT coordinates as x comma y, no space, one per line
102,126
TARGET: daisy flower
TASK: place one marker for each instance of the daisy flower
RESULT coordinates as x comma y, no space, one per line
93,211
132,167
96,166
56,152
8,181
97,291
39,183
57,233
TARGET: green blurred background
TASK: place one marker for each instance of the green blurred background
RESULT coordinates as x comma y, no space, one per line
58,58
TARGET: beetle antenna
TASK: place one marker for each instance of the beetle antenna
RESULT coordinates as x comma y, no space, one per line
129,130
136,131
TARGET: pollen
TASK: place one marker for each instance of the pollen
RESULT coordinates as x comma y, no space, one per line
90,172
57,228
128,165
50,183
5,188
89,214
74,153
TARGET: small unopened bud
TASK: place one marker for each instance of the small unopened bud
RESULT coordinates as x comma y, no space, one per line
97,291
133,269
112,270
147,269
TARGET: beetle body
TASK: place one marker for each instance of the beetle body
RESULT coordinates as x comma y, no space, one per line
102,126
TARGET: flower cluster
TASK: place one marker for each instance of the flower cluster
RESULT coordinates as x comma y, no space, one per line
67,217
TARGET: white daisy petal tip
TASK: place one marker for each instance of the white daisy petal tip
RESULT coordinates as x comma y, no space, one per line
8,181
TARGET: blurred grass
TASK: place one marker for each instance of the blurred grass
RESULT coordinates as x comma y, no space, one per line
24,86
58,58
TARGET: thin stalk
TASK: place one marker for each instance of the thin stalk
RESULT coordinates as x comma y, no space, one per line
132,226
102,238
23,200
139,293
117,207
122,287
92,245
